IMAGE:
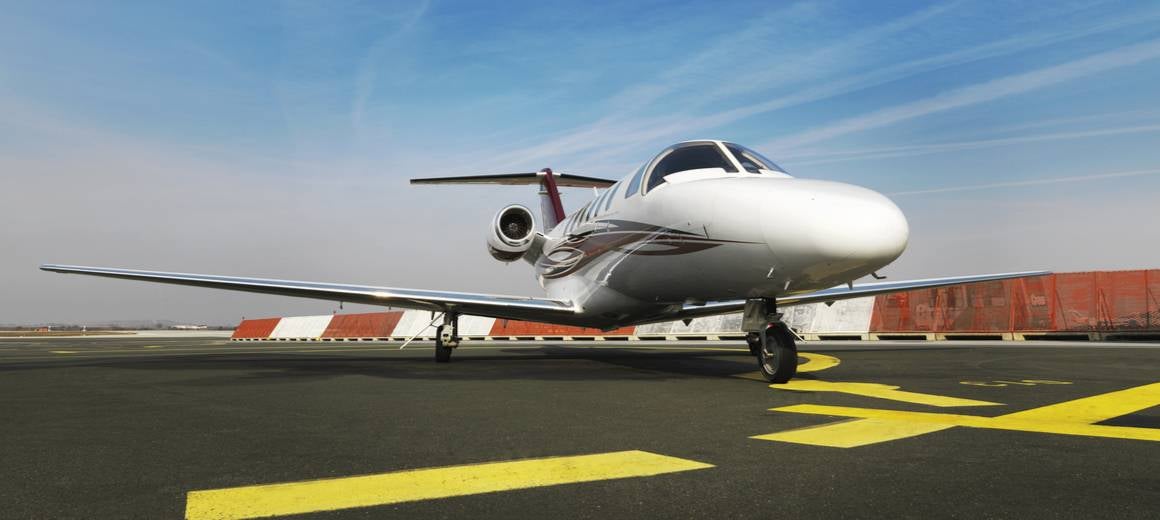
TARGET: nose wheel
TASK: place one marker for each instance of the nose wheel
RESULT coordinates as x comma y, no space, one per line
770,340
776,353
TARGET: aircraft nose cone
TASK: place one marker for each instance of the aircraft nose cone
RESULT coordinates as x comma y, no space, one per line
861,225
836,223
886,227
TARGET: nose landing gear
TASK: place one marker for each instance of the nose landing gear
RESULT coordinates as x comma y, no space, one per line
777,358
770,341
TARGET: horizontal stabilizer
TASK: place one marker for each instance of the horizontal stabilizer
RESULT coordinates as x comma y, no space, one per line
566,180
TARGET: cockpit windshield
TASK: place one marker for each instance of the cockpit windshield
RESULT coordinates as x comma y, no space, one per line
685,157
751,160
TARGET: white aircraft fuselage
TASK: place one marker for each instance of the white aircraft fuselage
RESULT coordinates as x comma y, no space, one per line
710,235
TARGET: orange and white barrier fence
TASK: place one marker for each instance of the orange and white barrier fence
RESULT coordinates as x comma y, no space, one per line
1095,305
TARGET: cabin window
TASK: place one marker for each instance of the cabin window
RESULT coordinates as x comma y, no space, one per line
634,183
574,220
687,158
596,204
611,196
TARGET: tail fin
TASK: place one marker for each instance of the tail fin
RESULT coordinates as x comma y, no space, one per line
551,207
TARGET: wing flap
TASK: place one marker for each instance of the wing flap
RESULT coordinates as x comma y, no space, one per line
498,306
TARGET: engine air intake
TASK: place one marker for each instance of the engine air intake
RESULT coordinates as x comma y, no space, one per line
511,235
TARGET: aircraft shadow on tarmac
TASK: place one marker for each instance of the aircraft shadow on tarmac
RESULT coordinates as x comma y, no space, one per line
553,363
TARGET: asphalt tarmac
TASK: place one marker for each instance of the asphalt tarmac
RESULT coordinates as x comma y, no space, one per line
127,427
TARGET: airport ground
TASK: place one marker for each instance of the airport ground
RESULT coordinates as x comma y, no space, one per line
199,427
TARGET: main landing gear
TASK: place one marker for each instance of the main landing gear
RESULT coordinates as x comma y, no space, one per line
769,340
446,337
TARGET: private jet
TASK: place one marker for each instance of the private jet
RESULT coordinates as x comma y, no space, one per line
703,228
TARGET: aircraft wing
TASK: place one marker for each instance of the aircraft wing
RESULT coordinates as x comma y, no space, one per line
498,306
844,292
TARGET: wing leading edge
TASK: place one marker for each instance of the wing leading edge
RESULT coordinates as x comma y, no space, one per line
844,293
497,306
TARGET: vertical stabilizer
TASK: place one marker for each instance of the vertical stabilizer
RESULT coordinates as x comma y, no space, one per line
551,206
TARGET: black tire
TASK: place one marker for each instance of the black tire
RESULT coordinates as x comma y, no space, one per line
778,360
442,352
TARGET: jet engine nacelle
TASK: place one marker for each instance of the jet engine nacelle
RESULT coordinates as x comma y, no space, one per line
512,233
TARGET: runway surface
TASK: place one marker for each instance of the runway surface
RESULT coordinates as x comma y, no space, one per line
152,427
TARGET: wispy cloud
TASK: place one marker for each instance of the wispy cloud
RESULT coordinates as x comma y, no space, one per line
372,62
923,149
1032,182
624,126
974,94
1121,117
615,133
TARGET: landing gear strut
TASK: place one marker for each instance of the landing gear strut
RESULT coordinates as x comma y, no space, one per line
446,337
769,340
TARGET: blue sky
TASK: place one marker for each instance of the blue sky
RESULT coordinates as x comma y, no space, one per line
275,137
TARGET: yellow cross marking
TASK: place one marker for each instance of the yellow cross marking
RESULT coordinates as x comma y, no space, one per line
1077,417
1021,382
879,391
424,484
853,433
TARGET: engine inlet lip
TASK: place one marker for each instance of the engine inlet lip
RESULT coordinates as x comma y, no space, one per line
525,222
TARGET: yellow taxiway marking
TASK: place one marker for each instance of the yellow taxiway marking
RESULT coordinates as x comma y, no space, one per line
880,391
817,362
63,351
1096,408
814,363
1075,417
425,484
152,346
853,433
1021,382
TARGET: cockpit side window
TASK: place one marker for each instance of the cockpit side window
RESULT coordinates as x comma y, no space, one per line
751,160
689,158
